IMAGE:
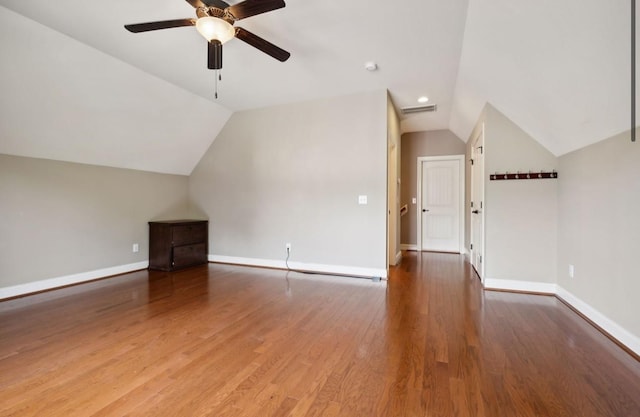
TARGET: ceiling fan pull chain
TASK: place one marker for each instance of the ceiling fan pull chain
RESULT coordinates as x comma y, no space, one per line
216,82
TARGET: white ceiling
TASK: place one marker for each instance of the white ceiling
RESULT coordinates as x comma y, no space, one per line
560,70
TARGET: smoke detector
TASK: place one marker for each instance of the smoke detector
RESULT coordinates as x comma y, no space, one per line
370,66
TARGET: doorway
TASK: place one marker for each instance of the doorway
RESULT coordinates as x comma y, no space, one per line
441,203
477,204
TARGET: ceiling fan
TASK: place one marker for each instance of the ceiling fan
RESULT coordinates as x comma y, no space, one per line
216,19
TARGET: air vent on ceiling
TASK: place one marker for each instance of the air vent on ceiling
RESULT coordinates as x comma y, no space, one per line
419,109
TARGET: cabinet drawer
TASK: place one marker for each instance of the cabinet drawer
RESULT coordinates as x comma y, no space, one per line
191,233
189,255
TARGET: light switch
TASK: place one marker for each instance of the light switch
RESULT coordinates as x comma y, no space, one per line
362,199
413,200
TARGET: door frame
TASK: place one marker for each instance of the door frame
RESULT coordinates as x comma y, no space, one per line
394,254
474,141
461,160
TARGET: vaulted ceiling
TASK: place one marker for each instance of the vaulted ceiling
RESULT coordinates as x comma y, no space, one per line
560,70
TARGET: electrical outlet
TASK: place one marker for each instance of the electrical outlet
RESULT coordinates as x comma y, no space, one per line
572,271
288,247
136,248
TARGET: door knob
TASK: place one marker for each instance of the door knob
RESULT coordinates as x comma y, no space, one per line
424,210
475,211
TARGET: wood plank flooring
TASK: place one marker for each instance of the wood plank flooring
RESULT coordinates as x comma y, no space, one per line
222,340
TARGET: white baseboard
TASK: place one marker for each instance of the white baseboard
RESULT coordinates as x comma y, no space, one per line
327,269
513,285
414,248
631,341
398,257
49,284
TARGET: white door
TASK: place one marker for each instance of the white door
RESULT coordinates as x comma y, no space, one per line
477,205
441,205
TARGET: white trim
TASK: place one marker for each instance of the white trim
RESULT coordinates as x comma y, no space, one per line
461,160
51,283
479,138
328,269
618,332
398,257
407,246
513,285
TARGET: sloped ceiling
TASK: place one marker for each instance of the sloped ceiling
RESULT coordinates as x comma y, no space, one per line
66,101
77,86
558,69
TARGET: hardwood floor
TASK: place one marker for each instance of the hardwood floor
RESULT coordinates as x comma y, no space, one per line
221,340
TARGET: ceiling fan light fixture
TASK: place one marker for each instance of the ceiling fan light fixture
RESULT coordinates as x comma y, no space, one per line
213,28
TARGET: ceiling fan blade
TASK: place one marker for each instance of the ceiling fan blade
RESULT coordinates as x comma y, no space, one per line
250,8
164,24
263,45
196,3
216,3
208,3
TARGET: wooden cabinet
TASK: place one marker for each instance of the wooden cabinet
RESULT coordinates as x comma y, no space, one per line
176,244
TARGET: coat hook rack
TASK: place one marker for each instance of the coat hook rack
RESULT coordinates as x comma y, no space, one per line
524,175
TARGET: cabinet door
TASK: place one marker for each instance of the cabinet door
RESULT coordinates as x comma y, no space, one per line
189,255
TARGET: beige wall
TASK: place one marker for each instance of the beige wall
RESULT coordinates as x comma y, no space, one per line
587,218
61,218
599,228
293,173
520,216
414,145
